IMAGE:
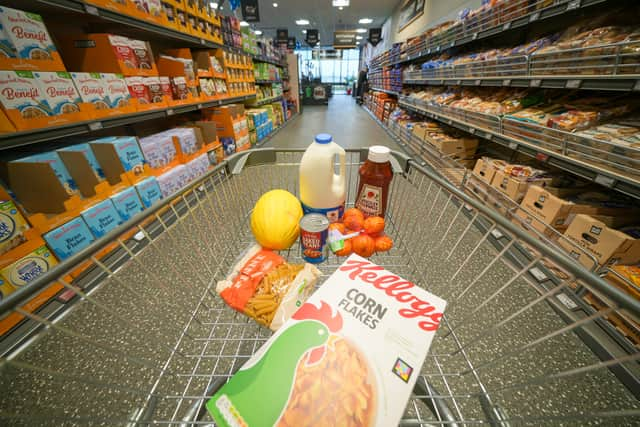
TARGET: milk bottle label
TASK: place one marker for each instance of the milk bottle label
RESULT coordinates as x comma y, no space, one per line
334,214
370,200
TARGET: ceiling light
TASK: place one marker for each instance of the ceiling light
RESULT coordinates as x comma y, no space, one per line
275,5
244,24
213,5
361,30
257,32
338,3
302,22
340,8
365,21
304,31
221,7
358,37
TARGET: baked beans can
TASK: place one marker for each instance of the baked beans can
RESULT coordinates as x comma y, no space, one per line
314,230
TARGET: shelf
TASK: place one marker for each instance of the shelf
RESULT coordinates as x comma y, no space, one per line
16,139
260,58
466,33
502,132
267,82
390,92
613,83
265,101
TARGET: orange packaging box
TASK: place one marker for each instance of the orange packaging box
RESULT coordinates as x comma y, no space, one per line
108,53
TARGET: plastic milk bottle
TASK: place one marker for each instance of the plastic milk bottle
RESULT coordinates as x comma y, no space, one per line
322,190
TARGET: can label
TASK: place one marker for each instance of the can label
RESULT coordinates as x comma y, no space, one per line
333,214
314,245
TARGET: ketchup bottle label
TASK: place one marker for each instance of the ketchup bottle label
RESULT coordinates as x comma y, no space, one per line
370,200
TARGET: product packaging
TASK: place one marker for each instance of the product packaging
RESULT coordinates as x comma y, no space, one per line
69,238
28,268
149,191
127,203
101,218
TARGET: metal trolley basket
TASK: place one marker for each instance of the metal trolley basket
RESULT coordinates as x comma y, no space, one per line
146,341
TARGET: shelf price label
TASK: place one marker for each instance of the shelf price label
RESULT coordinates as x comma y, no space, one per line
506,26
95,126
513,145
542,157
199,106
472,130
91,10
478,81
474,36
506,82
573,84
170,112
488,136
535,83
573,4
534,16
606,181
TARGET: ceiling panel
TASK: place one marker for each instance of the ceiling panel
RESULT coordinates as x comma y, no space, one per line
322,16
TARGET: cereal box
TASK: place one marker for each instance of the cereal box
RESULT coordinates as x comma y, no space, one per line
27,34
173,180
138,89
19,90
158,149
165,85
123,50
85,149
69,238
12,226
155,88
92,89
101,218
56,163
7,49
198,166
57,86
179,88
127,149
142,54
356,346
149,191
127,203
29,267
117,90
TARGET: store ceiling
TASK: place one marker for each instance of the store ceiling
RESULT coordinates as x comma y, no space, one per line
322,16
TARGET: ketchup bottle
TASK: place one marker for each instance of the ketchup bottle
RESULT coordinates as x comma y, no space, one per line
375,177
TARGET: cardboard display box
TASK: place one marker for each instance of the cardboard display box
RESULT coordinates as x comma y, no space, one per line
486,168
609,246
513,187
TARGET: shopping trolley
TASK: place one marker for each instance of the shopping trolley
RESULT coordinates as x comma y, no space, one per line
146,340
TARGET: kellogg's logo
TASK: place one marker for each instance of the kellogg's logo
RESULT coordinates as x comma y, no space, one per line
397,288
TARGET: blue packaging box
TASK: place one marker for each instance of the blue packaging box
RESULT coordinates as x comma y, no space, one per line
126,148
101,218
127,203
69,238
54,160
88,153
149,191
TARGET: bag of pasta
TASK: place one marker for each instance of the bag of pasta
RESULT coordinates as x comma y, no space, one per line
265,287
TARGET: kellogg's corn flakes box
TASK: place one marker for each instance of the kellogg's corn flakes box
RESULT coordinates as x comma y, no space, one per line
349,356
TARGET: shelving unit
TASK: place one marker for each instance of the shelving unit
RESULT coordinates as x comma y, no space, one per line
390,92
267,82
264,101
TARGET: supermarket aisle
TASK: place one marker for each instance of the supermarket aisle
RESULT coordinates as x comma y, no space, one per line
350,125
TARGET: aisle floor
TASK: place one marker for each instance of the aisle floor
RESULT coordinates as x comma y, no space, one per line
349,124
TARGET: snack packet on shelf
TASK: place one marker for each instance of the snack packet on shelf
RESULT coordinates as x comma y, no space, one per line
263,286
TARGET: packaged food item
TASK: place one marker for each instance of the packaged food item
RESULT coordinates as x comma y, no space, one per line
158,149
149,191
154,88
142,53
314,230
198,166
375,177
117,90
12,226
356,340
265,287
7,49
174,180
19,90
57,86
165,85
57,165
27,34
69,238
124,51
92,89
29,267
127,203
138,89
127,150
101,218
179,88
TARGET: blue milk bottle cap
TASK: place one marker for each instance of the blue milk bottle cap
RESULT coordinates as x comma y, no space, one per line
323,138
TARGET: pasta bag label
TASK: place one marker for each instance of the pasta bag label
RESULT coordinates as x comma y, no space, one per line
350,355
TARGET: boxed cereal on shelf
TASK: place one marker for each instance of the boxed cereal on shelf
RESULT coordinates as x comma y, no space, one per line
69,238
118,155
127,203
173,180
57,165
87,152
198,166
354,325
101,218
138,89
117,90
58,87
12,226
158,149
28,268
26,34
22,97
149,191
92,89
